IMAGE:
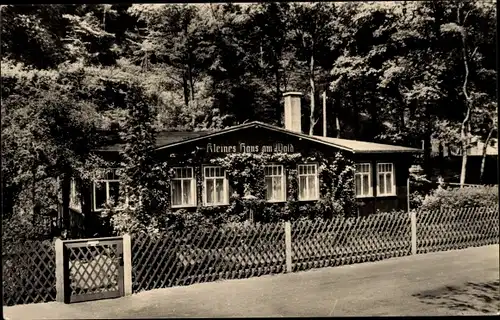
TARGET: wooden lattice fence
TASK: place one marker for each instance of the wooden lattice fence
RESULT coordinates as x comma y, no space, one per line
28,273
349,240
208,254
457,228
202,255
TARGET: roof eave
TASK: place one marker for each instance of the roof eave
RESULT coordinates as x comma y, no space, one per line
207,136
258,124
255,124
389,151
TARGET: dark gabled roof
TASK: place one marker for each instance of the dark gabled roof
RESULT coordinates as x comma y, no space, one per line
163,138
357,146
167,139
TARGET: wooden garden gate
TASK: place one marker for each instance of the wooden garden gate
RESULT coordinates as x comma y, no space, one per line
93,269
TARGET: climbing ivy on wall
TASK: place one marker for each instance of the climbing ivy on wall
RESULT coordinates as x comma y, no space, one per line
245,173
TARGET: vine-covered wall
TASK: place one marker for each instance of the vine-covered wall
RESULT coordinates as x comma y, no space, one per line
245,173
244,155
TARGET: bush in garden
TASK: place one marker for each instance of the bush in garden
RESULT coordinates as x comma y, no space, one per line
416,199
449,198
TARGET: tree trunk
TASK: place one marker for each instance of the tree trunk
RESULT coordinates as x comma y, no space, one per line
312,121
483,159
402,121
374,118
185,86
402,109
104,18
464,132
427,154
66,189
355,111
190,77
277,110
463,170
441,159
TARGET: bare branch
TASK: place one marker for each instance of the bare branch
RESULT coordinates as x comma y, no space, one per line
466,15
474,53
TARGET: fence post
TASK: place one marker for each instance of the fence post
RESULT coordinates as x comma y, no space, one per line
60,274
413,217
288,246
127,264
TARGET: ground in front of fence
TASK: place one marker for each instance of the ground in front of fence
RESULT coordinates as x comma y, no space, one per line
459,282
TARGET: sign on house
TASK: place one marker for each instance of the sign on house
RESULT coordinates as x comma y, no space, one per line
243,147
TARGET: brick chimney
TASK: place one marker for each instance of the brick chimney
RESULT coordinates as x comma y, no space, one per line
293,112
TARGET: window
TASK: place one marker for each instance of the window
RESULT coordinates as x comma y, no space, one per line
275,183
105,189
308,182
386,185
74,196
215,186
183,188
362,179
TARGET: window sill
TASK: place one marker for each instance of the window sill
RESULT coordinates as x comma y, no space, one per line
386,195
115,209
306,200
215,204
365,197
183,206
275,201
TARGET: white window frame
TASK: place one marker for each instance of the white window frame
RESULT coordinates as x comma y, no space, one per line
370,183
73,201
225,186
393,179
282,196
106,181
316,180
192,186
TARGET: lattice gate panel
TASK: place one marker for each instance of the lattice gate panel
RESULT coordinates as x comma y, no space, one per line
450,229
95,269
28,273
341,241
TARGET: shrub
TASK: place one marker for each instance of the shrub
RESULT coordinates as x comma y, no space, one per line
416,199
22,227
460,197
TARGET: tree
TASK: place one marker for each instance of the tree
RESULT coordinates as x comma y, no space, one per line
313,29
138,175
470,45
46,133
271,23
29,32
484,123
87,39
171,37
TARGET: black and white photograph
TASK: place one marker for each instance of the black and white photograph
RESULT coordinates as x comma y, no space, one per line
249,159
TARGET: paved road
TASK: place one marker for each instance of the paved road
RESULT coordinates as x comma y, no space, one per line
461,282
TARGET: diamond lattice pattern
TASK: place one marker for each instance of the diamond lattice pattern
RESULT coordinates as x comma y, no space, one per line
202,255
342,241
28,273
93,269
456,229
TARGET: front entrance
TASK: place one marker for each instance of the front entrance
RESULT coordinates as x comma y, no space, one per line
93,269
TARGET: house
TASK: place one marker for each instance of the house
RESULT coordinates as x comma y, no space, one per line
475,149
379,181
447,161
